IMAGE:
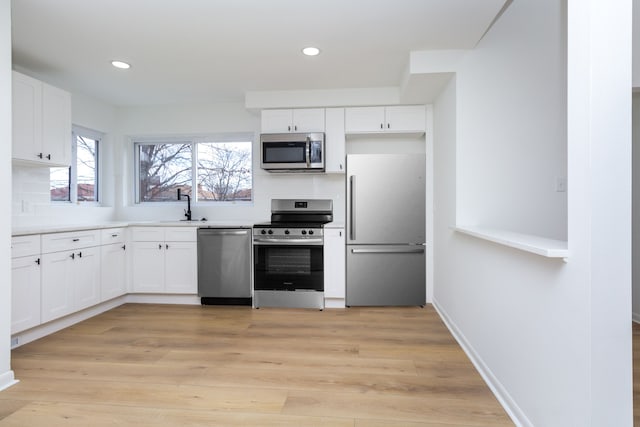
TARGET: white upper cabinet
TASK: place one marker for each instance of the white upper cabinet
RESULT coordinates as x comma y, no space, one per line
335,141
41,122
392,119
293,120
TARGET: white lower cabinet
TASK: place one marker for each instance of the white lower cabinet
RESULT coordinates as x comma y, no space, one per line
70,281
70,278
161,265
334,263
25,293
113,262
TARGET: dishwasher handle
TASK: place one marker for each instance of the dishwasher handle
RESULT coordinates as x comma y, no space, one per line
214,232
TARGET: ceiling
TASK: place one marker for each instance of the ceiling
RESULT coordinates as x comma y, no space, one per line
193,51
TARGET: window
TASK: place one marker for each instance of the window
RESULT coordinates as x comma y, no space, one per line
79,182
219,168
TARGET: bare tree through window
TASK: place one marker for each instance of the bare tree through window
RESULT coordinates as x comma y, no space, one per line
163,168
220,171
224,171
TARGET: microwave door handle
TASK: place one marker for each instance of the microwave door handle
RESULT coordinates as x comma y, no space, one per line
308,152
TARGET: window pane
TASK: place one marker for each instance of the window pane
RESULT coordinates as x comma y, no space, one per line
162,169
224,171
59,184
86,169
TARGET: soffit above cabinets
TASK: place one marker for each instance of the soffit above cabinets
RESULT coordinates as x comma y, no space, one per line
196,51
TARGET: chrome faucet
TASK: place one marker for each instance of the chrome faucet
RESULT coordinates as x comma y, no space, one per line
187,211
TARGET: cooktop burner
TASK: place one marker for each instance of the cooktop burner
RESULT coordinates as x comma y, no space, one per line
299,214
289,225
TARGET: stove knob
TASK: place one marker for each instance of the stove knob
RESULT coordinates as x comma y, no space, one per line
310,231
270,231
286,231
263,232
304,232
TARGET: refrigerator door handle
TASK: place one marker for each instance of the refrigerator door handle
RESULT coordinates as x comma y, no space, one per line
419,250
352,206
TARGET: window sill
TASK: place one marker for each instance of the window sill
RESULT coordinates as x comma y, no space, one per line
549,248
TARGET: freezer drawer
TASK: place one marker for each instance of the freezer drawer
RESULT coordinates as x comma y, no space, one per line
385,275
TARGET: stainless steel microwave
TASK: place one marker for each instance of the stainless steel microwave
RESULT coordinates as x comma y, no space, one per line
292,152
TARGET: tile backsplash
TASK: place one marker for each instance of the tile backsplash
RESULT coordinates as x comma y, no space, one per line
30,187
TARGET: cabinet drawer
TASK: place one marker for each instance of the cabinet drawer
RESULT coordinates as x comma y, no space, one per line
180,234
25,245
56,242
112,235
147,234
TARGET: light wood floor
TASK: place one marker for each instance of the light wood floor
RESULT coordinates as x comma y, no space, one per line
158,365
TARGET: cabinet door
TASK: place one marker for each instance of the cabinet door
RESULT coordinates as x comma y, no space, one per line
25,293
181,267
57,285
334,263
406,118
148,266
308,120
86,277
364,119
335,140
113,281
27,117
277,121
56,125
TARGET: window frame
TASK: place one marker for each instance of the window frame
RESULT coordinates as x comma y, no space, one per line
73,168
193,140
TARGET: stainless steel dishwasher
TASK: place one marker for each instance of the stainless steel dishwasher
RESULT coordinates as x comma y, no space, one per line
224,266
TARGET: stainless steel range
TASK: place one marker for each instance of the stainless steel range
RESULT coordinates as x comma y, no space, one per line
288,254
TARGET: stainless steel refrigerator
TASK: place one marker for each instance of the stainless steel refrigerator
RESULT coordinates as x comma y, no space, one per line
386,230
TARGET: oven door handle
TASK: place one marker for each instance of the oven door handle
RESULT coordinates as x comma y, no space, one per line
258,240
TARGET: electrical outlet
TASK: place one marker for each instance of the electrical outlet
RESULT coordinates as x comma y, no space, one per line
561,184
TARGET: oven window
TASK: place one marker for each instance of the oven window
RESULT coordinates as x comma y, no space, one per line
291,261
288,268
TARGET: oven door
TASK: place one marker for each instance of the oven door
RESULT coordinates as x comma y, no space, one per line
293,267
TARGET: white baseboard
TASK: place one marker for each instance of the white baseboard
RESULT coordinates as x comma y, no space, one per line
635,317
7,380
48,328
334,303
163,299
501,393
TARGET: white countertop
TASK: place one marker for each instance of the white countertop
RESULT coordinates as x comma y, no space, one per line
43,229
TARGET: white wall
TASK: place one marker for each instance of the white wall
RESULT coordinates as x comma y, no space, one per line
552,338
206,119
521,132
31,198
6,374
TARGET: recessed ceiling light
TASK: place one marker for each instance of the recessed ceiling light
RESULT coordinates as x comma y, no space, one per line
120,64
311,51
